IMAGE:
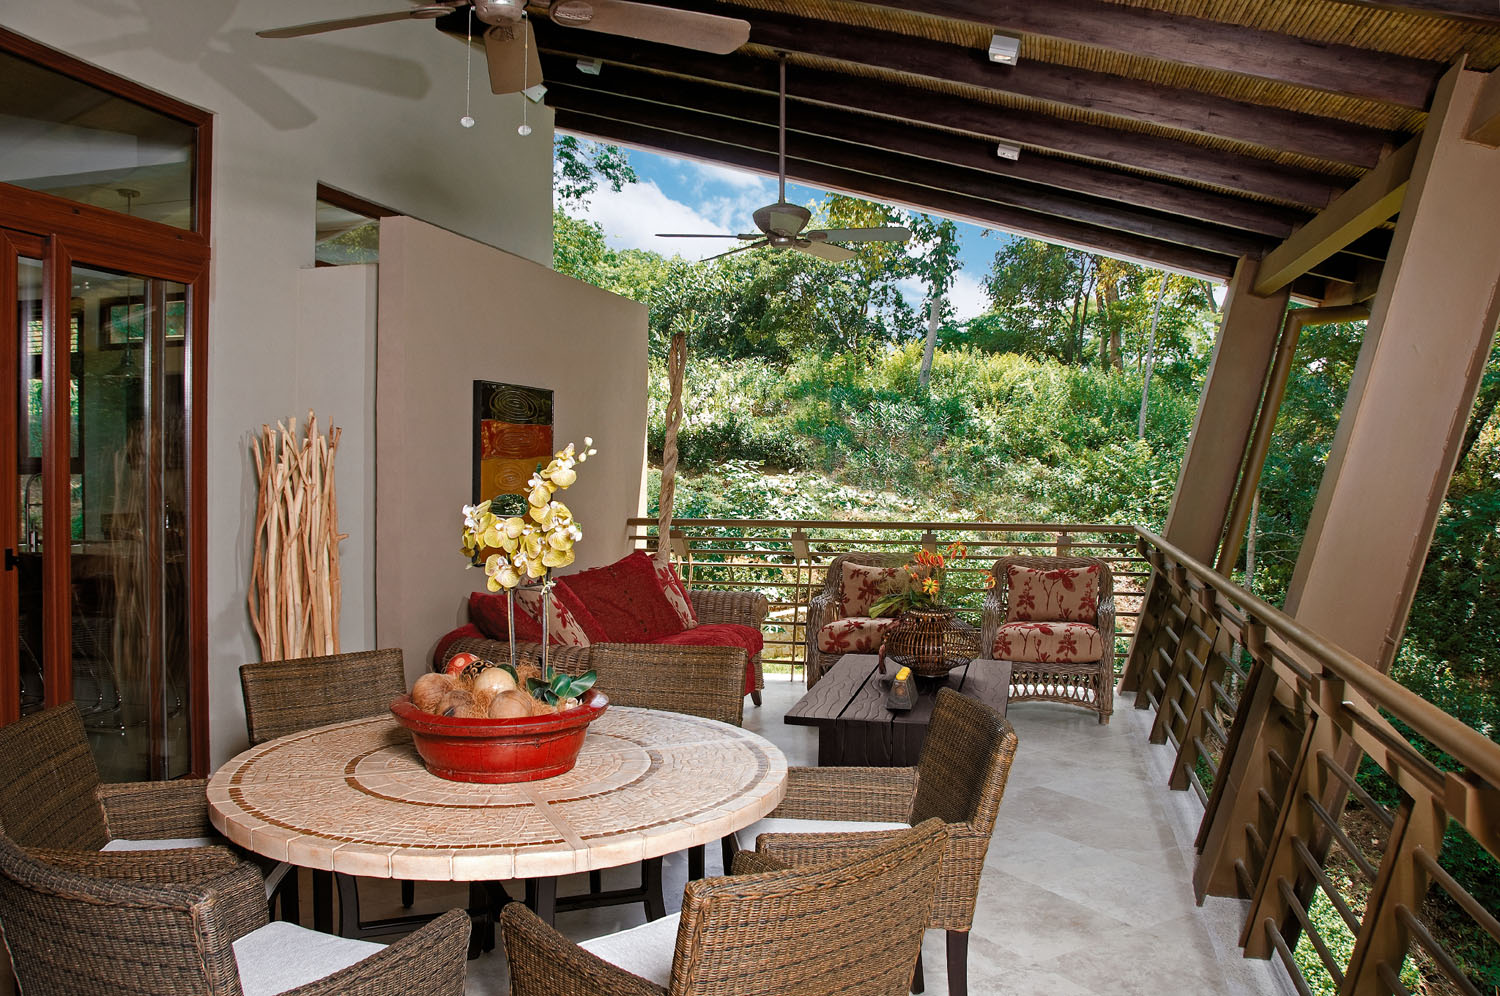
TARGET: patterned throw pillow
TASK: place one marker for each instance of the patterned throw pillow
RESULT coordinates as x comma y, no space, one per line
676,592
1060,642
1058,595
864,586
568,623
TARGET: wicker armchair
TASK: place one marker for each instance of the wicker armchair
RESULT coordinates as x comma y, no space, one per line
824,607
1090,684
850,926
960,780
285,697
51,794
193,924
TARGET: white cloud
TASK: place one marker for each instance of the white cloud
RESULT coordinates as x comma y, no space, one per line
634,214
737,178
968,297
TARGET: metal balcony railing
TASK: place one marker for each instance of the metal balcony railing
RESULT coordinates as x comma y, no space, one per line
1268,724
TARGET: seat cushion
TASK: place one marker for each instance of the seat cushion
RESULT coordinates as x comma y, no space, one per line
626,599
722,635
1065,594
1058,642
165,844
854,635
645,950
282,956
771,824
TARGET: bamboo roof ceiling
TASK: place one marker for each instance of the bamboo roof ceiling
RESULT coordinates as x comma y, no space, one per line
1180,132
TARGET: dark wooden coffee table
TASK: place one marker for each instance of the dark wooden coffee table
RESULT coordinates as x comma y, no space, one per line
847,705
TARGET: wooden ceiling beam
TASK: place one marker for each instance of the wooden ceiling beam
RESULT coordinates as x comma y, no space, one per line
1370,202
1090,237
638,66
1136,100
1158,34
910,170
1473,11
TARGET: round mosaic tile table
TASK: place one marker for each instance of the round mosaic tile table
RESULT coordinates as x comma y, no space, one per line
355,798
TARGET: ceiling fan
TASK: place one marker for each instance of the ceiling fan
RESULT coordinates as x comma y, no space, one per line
510,45
781,224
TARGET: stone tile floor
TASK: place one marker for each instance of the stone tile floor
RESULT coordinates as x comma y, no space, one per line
1087,886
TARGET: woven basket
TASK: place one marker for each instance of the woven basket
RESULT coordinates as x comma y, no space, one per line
930,642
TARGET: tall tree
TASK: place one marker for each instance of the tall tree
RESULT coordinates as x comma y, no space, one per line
579,166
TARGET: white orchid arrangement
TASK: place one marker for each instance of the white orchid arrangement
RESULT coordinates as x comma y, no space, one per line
516,550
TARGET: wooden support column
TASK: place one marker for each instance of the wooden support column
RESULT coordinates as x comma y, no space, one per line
1226,413
1431,326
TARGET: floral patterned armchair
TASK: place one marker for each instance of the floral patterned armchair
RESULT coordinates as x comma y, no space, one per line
1053,618
838,621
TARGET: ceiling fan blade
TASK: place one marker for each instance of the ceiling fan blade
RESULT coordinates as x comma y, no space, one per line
510,51
753,245
699,235
318,27
888,233
824,250
683,28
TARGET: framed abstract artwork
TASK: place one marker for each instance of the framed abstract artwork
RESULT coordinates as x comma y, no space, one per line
512,437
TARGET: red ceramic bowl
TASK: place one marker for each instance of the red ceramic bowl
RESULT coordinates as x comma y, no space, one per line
500,750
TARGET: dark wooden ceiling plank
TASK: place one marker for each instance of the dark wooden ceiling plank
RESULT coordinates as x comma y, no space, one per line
1172,158
1121,96
911,170
1484,12
1091,237
1064,174
1158,34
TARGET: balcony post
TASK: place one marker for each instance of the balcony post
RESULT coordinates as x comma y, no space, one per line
1419,367
1227,408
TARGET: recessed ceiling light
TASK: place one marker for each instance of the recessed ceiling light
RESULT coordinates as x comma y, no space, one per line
1005,49
1008,150
590,67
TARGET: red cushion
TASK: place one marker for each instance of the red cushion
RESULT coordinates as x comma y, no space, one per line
440,655
626,600
487,611
721,635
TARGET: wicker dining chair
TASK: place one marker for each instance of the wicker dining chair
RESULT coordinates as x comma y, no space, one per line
285,697
145,924
852,925
51,794
825,607
959,779
1090,684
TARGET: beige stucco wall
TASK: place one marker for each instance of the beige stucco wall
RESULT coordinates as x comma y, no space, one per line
452,312
373,111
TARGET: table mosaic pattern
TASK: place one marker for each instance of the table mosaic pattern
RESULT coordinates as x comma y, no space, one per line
355,798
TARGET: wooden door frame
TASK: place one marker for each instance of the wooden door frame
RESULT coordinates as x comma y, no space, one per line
94,236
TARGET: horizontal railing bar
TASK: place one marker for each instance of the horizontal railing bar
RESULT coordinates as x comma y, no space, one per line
1332,766
1207,758
1436,950
1350,848
1458,893
1468,746
1279,943
975,527
1334,896
1391,979
1197,785
1330,963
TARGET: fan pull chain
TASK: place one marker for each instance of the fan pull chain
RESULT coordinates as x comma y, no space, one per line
525,129
467,120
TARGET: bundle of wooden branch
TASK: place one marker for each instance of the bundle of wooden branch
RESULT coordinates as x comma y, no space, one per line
294,585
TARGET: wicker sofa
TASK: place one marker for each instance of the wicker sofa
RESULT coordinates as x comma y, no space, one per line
679,678
825,606
1090,684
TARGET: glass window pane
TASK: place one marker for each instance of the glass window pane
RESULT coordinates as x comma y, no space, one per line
345,236
129,555
69,139
28,505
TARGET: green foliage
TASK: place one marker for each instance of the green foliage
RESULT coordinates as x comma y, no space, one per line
578,167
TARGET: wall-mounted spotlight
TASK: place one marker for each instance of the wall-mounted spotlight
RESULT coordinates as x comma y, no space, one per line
1005,49
1008,150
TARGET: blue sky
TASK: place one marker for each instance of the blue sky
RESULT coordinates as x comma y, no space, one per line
682,195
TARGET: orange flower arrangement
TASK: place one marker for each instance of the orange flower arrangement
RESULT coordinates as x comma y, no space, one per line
928,574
